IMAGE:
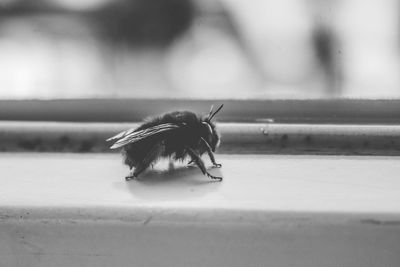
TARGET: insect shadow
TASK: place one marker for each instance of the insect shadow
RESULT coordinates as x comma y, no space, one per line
180,174
172,184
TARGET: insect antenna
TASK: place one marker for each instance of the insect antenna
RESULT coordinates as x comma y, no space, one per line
212,114
211,111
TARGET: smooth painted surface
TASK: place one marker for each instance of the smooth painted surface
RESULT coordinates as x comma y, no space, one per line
77,210
266,182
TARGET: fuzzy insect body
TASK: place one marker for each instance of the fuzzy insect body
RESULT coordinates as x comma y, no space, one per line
178,135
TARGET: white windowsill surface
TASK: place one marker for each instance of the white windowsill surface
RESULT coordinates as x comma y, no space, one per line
77,210
354,184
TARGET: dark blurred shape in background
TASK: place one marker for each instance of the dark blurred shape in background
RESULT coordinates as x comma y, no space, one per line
143,23
327,47
199,49
326,50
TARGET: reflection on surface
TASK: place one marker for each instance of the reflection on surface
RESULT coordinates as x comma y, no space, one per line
199,49
173,184
171,180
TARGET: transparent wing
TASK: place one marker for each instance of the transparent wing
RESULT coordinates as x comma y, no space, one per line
132,136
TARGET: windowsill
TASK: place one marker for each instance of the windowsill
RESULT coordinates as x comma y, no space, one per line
271,183
62,209
353,111
280,203
237,138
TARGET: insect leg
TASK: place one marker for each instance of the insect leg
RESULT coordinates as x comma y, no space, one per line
138,170
199,162
150,157
130,176
128,161
191,163
210,154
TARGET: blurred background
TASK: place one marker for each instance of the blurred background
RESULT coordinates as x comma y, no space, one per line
201,49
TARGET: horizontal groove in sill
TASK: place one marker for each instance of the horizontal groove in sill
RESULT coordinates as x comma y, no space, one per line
269,138
250,110
142,215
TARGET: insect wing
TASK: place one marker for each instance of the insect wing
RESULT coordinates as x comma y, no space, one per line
131,136
132,130
121,134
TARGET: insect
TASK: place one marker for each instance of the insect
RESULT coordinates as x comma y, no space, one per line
178,135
